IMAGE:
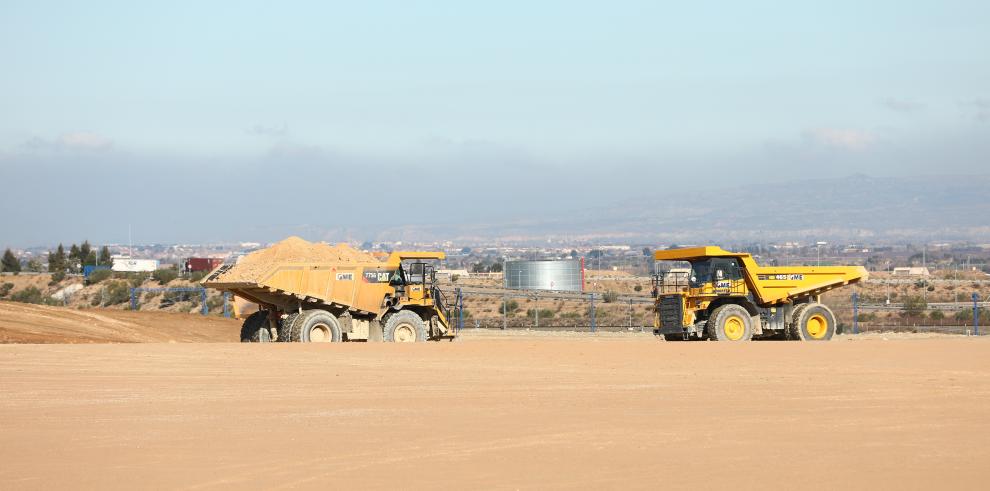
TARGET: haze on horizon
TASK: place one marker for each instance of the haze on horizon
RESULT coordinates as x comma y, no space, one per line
225,121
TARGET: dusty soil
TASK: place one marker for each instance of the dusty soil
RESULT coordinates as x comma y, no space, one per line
291,250
544,413
26,323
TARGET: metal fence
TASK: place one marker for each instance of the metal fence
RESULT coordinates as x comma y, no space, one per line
591,312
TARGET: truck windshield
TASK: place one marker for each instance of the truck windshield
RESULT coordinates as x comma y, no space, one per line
715,269
700,273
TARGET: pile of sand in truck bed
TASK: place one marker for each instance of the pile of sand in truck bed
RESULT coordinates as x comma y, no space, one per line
291,250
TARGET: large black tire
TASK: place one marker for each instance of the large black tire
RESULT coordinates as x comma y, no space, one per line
285,326
255,328
730,322
673,337
314,326
790,333
812,322
404,326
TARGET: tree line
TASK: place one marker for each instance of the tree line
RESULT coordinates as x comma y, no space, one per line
60,262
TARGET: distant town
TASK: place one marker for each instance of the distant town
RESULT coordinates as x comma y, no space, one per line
636,258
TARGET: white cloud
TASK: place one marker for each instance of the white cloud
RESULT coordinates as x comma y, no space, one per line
271,131
902,105
980,108
72,141
84,140
847,139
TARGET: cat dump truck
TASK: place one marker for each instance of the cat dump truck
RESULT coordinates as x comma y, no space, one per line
709,293
394,300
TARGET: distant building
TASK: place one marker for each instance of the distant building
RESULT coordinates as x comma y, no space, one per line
124,263
912,271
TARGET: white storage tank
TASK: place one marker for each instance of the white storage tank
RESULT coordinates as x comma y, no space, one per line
567,275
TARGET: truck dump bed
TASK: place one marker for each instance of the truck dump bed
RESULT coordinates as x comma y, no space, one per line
357,287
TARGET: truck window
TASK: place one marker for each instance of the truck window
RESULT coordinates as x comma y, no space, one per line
726,269
700,273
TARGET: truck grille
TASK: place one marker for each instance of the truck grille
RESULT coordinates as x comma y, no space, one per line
671,312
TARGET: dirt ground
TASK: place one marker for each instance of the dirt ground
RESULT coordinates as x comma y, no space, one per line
27,323
510,412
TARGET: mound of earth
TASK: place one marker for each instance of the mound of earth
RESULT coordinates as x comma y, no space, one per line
28,323
291,250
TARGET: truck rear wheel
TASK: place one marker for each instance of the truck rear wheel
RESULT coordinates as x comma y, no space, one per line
812,322
730,322
313,326
404,326
255,328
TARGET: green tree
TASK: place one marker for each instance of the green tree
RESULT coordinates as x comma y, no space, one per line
87,256
510,307
914,306
57,260
75,259
117,292
34,266
10,263
544,313
105,259
98,276
28,295
610,296
164,276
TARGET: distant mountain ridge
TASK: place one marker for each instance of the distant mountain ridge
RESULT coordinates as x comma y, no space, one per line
853,208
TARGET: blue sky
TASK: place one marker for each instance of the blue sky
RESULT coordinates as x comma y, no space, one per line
534,101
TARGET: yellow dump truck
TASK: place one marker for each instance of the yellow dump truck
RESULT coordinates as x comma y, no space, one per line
711,293
394,300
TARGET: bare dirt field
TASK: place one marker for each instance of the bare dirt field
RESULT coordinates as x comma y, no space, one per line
505,413
27,323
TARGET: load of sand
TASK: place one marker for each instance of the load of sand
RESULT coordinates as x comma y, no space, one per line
291,250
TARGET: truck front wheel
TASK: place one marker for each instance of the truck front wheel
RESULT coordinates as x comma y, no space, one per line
730,322
404,327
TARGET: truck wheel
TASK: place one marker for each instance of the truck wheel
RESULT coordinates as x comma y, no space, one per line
730,322
404,327
814,322
314,326
255,328
285,326
790,333
673,337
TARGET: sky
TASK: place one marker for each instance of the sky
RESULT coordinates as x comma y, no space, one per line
238,121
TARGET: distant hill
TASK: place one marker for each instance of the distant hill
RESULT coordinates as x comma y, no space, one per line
853,208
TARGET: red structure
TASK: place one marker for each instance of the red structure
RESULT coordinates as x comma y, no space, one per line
195,264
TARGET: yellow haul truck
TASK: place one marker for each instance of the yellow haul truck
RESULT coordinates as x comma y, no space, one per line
396,300
710,293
